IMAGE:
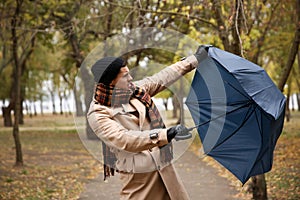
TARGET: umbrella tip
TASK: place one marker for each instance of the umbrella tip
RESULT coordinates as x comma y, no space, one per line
206,46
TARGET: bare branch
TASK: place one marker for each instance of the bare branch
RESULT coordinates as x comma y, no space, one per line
221,24
167,13
263,36
293,51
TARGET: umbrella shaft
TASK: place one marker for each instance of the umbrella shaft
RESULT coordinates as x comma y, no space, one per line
245,105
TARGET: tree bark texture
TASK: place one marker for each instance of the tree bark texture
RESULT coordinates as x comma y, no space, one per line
14,24
78,103
293,51
86,78
259,187
6,112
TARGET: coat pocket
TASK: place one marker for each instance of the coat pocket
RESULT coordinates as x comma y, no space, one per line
143,162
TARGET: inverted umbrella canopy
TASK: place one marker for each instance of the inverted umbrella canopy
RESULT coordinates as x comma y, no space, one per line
238,112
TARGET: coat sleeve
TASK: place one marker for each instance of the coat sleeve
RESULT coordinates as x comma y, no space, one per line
115,135
159,81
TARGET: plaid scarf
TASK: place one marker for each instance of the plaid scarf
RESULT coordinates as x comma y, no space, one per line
115,97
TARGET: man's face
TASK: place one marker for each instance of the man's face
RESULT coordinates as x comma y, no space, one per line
123,79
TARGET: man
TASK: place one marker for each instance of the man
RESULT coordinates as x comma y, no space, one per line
137,143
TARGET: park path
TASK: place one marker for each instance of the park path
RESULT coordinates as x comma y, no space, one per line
200,180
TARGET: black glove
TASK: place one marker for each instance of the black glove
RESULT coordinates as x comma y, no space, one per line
180,132
201,52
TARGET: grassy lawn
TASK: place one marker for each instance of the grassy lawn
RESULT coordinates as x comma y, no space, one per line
56,164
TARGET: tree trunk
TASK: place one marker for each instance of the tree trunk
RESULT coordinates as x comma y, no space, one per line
292,103
87,79
22,97
34,109
223,32
21,118
41,104
60,103
6,112
181,118
165,101
88,88
7,116
29,106
53,103
175,106
287,110
78,103
68,108
259,187
17,110
298,100
293,51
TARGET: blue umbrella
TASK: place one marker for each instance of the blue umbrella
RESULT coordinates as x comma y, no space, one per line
238,112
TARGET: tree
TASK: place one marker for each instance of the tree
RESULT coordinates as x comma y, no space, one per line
14,23
26,20
23,33
294,50
231,33
75,37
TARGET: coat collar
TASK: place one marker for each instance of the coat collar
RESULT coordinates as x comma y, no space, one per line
141,108
134,105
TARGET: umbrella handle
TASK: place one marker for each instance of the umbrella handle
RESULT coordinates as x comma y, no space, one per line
183,137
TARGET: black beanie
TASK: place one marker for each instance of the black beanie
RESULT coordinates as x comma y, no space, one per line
106,69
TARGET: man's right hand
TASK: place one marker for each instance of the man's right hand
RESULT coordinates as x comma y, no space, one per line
179,129
201,52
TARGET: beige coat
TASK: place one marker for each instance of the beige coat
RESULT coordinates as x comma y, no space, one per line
143,174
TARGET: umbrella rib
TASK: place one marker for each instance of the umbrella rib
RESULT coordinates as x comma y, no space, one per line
257,160
245,105
257,121
247,115
236,89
